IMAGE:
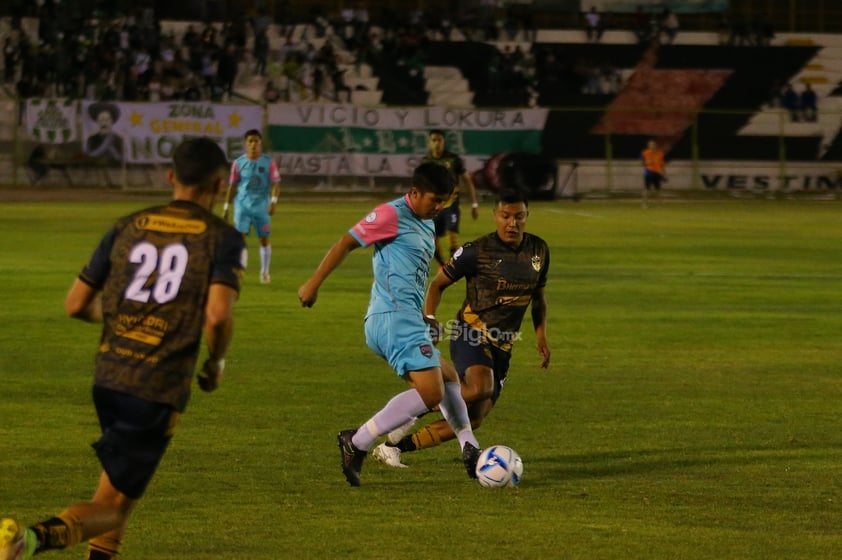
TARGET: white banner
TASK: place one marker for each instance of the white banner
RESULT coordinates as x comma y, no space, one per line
424,118
51,121
149,132
731,176
336,139
382,165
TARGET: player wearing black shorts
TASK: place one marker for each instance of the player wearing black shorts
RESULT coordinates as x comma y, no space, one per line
505,272
159,280
447,221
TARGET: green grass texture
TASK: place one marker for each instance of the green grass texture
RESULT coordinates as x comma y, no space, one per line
691,409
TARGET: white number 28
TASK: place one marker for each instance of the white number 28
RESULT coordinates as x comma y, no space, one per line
170,265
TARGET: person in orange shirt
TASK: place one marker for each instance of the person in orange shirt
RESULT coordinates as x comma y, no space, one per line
653,166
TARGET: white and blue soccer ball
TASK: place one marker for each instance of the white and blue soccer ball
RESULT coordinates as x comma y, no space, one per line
499,466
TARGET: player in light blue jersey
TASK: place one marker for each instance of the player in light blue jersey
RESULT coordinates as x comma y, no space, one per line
403,236
255,180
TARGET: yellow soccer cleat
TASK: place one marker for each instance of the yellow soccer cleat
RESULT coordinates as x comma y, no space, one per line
16,542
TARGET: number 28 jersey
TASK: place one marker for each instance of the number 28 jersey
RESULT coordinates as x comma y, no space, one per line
154,268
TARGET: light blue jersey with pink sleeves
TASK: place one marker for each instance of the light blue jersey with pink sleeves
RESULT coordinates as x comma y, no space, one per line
254,179
404,245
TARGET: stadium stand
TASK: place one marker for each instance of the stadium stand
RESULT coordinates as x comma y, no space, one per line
592,89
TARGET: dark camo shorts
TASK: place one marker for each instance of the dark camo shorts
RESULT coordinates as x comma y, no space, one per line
135,435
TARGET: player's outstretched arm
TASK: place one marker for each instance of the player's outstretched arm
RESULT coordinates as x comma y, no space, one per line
309,291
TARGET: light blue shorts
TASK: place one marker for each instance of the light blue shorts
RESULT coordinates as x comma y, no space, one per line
244,219
403,340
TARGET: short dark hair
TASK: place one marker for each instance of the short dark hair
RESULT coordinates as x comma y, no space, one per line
196,161
436,131
512,196
253,132
432,177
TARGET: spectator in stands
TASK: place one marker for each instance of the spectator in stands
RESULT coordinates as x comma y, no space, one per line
593,25
724,29
37,162
261,53
740,33
669,26
209,35
642,26
341,91
791,101
142,67
762,31
261,22
271,94
774,99
192,91
809,103
154,88
190,38
10,60
208,69
318,80
226,71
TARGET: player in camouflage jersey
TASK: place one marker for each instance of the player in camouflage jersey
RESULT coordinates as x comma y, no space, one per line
447,221
505,272
166,275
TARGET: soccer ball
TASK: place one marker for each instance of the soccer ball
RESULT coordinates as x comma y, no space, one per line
499,467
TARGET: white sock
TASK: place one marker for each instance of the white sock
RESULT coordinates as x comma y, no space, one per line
397,412
265,258
455,411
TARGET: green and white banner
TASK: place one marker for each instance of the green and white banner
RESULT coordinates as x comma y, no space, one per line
149,132
52,121
336,139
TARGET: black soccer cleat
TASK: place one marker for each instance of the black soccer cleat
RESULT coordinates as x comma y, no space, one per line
470,456
352,458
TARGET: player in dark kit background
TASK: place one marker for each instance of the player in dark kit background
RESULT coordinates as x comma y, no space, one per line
447,221
505,272
166,275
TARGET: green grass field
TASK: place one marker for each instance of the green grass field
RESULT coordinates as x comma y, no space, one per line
691,410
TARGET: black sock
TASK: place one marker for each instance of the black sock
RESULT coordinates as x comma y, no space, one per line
51,533
406,444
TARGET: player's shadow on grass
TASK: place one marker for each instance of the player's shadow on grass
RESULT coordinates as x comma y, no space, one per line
548,469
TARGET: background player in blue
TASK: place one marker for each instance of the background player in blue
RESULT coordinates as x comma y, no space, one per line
159,280
255,180
402,233
505,272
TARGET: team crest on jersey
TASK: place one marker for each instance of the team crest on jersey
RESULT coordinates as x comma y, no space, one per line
369,219
536,263
426,350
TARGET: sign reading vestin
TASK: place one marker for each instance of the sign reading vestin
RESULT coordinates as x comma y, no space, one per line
336,139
